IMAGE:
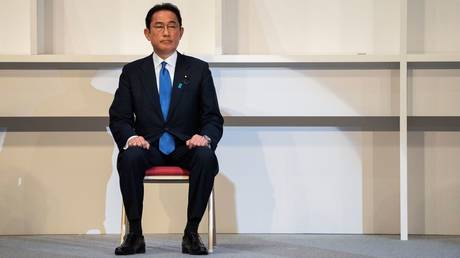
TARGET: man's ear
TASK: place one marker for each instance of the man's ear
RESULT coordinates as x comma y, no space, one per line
181,32
147,34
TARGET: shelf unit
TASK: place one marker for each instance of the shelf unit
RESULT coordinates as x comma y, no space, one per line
408,58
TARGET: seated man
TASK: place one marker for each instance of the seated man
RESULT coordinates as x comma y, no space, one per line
165,112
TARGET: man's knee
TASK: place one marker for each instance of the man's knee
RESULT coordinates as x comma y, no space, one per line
132,155
205,156
204,153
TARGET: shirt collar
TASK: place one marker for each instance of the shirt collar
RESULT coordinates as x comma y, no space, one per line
171,60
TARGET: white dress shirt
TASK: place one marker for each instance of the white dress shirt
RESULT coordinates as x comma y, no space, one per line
170,66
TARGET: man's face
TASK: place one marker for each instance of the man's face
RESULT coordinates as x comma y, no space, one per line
164,33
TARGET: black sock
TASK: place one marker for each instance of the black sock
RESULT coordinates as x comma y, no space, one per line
192,226
135,227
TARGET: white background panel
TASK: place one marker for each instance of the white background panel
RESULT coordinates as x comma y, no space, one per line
433,26
302,92
434,181
16,27
77,27
311,26
434,92
301,180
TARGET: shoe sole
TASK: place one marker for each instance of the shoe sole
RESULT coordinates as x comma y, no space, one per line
140,250
186,251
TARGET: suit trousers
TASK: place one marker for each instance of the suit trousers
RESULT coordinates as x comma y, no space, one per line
201,162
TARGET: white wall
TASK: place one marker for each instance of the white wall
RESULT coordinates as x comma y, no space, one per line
431,26
16,27
434,92
116,27
311,26
297,180
273,179
304,92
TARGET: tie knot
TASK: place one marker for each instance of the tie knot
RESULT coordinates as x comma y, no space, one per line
163,65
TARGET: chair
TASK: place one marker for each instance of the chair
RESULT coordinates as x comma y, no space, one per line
172,174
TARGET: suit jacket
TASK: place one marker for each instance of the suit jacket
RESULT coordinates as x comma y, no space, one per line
193,109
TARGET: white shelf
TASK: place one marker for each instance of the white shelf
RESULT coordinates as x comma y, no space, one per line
434,57
283,59
238,59
213,59
68,58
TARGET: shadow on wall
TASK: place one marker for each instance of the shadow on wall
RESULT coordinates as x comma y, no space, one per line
113,199
174,199
225,199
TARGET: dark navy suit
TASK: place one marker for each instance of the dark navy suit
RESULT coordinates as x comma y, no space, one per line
193,110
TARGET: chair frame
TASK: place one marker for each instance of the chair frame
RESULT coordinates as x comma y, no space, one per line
178,179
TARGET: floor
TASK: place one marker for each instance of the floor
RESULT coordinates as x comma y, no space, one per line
238,245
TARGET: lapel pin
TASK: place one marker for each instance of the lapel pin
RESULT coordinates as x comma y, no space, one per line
185,79
179,86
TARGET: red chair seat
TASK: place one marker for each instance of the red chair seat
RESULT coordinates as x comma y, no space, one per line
166,171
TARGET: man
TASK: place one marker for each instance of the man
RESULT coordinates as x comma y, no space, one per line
165,112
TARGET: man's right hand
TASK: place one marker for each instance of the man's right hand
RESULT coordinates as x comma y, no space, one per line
139,141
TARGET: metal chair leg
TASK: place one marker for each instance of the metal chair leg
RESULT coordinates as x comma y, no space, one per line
123,223
211,229
214,218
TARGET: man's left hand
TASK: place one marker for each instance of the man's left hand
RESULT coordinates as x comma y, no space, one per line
197,141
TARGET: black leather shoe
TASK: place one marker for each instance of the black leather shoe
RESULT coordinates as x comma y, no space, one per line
133,244
192,244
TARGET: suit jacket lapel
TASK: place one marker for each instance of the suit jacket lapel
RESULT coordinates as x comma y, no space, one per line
150,84
180,77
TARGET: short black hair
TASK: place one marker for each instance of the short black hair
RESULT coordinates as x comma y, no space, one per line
161,7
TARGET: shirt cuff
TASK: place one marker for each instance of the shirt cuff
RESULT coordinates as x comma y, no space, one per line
126,145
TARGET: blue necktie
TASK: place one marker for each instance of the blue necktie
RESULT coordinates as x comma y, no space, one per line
166,144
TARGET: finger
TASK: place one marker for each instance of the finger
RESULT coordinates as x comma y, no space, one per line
199,142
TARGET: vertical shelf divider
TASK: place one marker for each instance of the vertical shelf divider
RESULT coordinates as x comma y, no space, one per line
403,124
37,27
218,28
34,27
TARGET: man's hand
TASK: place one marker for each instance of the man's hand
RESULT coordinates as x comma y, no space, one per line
197,141
139,141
